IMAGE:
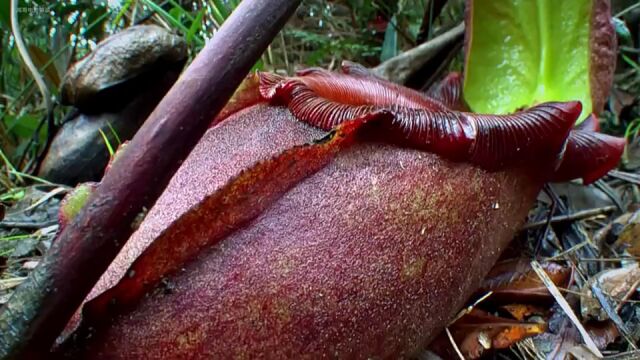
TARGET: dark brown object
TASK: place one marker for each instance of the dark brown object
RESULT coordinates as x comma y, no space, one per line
431,12
42,305
115,71
78,152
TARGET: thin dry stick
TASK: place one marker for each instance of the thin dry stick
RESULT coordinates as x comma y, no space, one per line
628,295
468,309
626,176
566,307
568,251
453,343
399,68
620,259
631,355
580,215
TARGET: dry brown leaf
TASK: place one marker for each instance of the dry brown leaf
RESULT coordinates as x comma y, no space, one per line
479,331
615,283
629,238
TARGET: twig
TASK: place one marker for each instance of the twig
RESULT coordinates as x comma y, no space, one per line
431,12
453,343
605,304
631,355
628,295
26,225
630,8
626,176
555,201
620,259
610,192
469,308
568,251
399,68
579,215
566,307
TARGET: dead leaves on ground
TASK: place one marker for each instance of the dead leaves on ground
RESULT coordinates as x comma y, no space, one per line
516,306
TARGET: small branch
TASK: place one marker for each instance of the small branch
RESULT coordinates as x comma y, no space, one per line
566,307
580,215
26,225
608,308
453,343
630,355
625,176
431,12
399,68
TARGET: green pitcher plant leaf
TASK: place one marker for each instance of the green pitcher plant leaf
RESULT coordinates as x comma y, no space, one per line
521,53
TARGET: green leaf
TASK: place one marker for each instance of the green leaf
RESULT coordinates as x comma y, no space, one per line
96,18
176,14
107,143
217,10
123,10
13,195
526,52
5,13
390,44
23,126
196,25
167,16
220,8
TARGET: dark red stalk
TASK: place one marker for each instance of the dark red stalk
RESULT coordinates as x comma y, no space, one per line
42,305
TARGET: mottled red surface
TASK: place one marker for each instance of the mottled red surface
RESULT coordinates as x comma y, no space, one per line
228,209
369,256
246,95
210,170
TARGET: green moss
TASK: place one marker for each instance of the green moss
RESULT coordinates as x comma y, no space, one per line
524,52
76,200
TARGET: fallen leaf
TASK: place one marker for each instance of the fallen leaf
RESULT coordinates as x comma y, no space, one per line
614,283
514,281
478,331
